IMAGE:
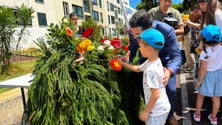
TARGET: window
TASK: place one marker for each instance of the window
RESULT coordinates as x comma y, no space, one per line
107,6
86,6
101,17
94,2
78,10
113,32
119,10
66,9
100,3
39,1
113,19
117,1
95,15
42,19
111,7
109,19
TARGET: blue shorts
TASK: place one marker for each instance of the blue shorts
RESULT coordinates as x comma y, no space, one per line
157,120
212,84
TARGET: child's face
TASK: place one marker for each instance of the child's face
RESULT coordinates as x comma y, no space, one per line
144,49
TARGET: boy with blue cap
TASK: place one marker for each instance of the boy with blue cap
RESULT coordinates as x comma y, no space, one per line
157,105
210,80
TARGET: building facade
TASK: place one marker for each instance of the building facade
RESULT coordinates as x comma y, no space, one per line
107,13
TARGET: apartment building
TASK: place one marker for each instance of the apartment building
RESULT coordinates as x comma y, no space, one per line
108,13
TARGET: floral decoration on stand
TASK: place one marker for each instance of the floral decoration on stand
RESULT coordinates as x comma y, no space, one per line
113,48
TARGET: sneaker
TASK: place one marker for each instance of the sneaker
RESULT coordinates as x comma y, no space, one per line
213,121
196,117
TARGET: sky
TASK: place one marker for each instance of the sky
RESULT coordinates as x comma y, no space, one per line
133,3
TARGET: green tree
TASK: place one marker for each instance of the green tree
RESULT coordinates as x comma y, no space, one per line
7,29
24,17
7,25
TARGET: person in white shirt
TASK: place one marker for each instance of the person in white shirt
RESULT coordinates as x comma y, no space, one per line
157,105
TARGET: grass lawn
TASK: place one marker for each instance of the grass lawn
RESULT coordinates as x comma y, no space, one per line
17,69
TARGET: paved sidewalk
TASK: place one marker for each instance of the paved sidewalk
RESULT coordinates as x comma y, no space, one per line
186,102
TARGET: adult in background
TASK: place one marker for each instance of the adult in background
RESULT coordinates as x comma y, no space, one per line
74,20
170,54
166,13
166,10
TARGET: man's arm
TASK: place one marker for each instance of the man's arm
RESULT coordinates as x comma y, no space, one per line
170,54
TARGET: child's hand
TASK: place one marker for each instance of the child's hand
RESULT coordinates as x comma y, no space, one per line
198,83
143,116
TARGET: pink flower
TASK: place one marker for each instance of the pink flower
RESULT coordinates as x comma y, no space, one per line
116,43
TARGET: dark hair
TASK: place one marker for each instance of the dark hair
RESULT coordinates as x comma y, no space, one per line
211,43
72,14
208,17
141,19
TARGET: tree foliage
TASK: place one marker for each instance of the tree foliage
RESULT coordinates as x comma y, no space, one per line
8,23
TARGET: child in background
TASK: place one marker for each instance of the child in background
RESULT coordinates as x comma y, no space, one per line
157,105
210,80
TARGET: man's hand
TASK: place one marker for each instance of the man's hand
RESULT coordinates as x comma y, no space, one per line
166,77
143,116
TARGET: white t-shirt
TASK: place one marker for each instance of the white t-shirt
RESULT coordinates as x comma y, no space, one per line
153,78
218,18
214,55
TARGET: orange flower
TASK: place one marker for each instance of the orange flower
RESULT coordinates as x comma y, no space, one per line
69,32
115,64
80,50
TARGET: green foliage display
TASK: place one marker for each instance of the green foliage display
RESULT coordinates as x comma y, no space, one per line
65,92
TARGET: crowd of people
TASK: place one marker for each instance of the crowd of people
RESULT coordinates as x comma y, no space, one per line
155,33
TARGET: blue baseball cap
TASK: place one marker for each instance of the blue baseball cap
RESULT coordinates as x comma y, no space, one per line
211,33
153,37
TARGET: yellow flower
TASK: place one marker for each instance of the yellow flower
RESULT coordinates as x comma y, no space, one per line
85,43
186,16
89,48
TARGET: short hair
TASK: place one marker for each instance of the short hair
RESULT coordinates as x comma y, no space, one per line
141,19
72,14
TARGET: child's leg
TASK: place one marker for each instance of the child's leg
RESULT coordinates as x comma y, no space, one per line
199,102
216,105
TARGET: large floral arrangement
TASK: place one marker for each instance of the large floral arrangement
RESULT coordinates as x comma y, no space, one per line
71,85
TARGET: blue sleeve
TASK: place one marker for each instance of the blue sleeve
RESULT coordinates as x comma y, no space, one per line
132,47
170,54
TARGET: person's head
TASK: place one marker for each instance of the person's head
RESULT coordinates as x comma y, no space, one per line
211,34
208,8
195,14
74,18
140,21
150,42
165,4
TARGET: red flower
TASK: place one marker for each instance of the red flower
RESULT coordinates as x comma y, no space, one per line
125,48
115,64
116,43
88,32
69,32
116,51
102,41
